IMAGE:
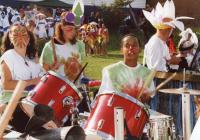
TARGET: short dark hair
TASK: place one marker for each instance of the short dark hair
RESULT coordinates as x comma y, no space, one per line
129,36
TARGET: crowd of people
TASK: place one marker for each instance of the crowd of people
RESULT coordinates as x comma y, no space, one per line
42,24
66,48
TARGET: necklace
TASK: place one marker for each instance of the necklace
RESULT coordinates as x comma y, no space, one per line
26,63
27,66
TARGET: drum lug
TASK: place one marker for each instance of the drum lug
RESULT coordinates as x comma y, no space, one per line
65,119
51,102
32,93
110,101
138,114
100,124
62,89
67,101
44,79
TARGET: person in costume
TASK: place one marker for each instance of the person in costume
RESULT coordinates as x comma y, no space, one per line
50,27
157,56
156,52
103,39
187,49
19,61
41,26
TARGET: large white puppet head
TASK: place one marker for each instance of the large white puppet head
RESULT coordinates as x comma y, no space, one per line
188,40
163,17
188,44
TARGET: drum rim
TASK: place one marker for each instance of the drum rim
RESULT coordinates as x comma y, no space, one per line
166,117
67,81
132,99
25,91
102,134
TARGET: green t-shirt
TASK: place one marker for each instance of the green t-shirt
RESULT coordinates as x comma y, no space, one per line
63,52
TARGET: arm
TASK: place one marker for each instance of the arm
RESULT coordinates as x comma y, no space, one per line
8,83
46,58
174,60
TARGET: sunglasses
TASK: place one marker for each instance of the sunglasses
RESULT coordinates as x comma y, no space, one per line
68,28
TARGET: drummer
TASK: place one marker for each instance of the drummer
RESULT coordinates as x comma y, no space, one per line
64,53
127,76
19,60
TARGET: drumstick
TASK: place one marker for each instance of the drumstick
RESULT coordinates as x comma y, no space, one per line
17,94
166,81
147,82
80,73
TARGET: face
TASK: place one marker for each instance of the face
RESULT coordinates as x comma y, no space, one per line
19,36
69,32
130,49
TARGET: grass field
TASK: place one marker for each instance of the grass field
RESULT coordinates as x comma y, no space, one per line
96,63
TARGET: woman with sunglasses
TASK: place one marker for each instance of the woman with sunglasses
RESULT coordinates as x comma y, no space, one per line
64,53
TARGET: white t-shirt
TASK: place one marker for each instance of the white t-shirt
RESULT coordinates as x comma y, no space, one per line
156,54
19,70
5,23
65,51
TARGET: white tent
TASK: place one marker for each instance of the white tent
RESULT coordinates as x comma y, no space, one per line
134,4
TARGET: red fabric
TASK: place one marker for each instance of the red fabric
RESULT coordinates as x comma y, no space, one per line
172,48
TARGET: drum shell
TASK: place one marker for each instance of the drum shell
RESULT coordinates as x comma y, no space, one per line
53,90
161,128
103,111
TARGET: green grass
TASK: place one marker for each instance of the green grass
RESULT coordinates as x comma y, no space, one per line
97,63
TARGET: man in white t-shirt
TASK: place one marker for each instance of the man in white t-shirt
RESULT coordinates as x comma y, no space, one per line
157,56
156,52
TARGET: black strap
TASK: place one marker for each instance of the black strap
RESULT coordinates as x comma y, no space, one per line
80,73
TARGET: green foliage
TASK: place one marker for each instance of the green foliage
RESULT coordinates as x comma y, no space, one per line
114,14
121,3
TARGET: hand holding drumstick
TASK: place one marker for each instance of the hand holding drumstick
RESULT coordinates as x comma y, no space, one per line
145,96
148,81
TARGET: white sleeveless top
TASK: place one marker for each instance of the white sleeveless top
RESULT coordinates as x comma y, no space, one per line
20,68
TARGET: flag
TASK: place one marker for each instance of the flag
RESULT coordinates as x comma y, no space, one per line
78,11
